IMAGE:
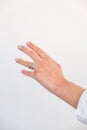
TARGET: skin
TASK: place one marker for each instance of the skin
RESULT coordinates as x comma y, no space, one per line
49,74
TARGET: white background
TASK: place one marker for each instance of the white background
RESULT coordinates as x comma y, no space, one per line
59,27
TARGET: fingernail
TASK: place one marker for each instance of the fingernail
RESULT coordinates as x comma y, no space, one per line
28,43
22,71
20,47
16,59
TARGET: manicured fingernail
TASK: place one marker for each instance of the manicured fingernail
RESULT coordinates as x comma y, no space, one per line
22,71
28,43
17,59
20,47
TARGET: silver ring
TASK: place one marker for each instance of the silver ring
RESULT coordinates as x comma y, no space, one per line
31,66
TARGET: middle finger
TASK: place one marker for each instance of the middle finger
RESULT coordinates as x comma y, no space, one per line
23,62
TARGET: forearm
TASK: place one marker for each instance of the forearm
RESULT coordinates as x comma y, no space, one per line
70,93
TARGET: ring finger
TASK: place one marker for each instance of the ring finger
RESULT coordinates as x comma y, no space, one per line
23,62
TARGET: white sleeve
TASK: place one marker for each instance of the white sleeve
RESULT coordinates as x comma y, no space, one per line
82,108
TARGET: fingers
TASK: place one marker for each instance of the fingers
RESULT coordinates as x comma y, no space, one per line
23,62
28,73
29,52
26,64
36,54
35,48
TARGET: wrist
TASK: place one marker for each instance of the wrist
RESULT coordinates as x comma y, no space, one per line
69,92
60,89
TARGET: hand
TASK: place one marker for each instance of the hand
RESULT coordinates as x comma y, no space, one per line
49,74
45,70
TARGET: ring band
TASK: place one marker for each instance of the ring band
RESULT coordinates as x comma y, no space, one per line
31,66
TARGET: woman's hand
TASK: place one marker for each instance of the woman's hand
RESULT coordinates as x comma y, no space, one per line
45,70
49,74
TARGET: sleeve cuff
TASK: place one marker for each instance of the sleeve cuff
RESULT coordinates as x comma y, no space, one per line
82,108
